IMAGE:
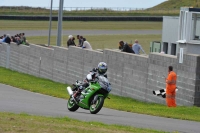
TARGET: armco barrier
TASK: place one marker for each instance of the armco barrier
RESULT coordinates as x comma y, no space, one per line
134,76
84,18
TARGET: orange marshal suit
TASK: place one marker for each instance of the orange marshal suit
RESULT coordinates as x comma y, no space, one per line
171,89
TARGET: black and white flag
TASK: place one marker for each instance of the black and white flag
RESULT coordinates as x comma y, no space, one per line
161,92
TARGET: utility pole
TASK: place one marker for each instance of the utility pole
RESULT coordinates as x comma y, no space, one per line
50,19
60,17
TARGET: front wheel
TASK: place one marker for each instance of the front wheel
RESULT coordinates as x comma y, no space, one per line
96,107
71,105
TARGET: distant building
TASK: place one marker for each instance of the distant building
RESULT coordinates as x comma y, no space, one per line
182,32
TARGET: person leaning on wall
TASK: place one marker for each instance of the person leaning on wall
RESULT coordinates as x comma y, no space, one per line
137,47
8,39
86,44
171,87
70,41
124,47
80,40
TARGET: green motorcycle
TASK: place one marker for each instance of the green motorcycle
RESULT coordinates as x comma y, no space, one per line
91,98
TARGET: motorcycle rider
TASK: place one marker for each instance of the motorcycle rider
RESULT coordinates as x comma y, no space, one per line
92,76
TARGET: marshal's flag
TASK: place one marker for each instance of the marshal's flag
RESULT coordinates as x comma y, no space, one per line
161,92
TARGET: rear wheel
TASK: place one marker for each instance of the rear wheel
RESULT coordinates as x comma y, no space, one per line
71,105
96,107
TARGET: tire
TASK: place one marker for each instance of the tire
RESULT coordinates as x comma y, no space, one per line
71,105
95,108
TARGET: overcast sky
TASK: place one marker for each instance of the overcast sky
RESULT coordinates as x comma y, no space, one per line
83,3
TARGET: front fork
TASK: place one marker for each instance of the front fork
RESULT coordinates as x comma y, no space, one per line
95,99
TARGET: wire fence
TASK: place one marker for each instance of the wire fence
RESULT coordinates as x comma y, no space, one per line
72,8
80,8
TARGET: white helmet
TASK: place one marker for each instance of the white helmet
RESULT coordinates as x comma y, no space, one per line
102,68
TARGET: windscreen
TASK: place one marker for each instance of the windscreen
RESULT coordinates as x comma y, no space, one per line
104,83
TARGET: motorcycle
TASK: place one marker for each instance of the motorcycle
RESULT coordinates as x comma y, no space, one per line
92,97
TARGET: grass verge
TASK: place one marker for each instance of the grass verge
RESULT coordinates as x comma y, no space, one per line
80,25
89,12
38,124
48,87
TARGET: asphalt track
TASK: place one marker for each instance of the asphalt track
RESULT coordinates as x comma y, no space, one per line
80,32
20,101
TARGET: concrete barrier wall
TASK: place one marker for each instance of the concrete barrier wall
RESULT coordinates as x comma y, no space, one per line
134,76
60,64
197,83
115,70
91,59
75,63
80,62
188,80
34,60
157,71
14,57
46,65
3,52
127,73
24,57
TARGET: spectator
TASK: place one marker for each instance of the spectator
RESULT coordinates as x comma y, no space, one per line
4,38
137,47
73,41
124,47
121,45
86,44
1,38
70,41
13,39
18,40
23,38
171,87
7,39
81,41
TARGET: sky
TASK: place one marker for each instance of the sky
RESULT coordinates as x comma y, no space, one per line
83,3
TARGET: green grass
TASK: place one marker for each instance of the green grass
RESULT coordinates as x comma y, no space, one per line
97,41
32,83
167,8
79,25
102,41
13,123
55,89
177,4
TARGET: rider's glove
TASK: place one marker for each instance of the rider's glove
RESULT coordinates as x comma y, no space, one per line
81,87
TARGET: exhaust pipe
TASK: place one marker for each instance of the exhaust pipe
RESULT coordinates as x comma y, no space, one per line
69,90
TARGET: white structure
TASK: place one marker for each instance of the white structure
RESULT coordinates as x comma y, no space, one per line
170,35
182,32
